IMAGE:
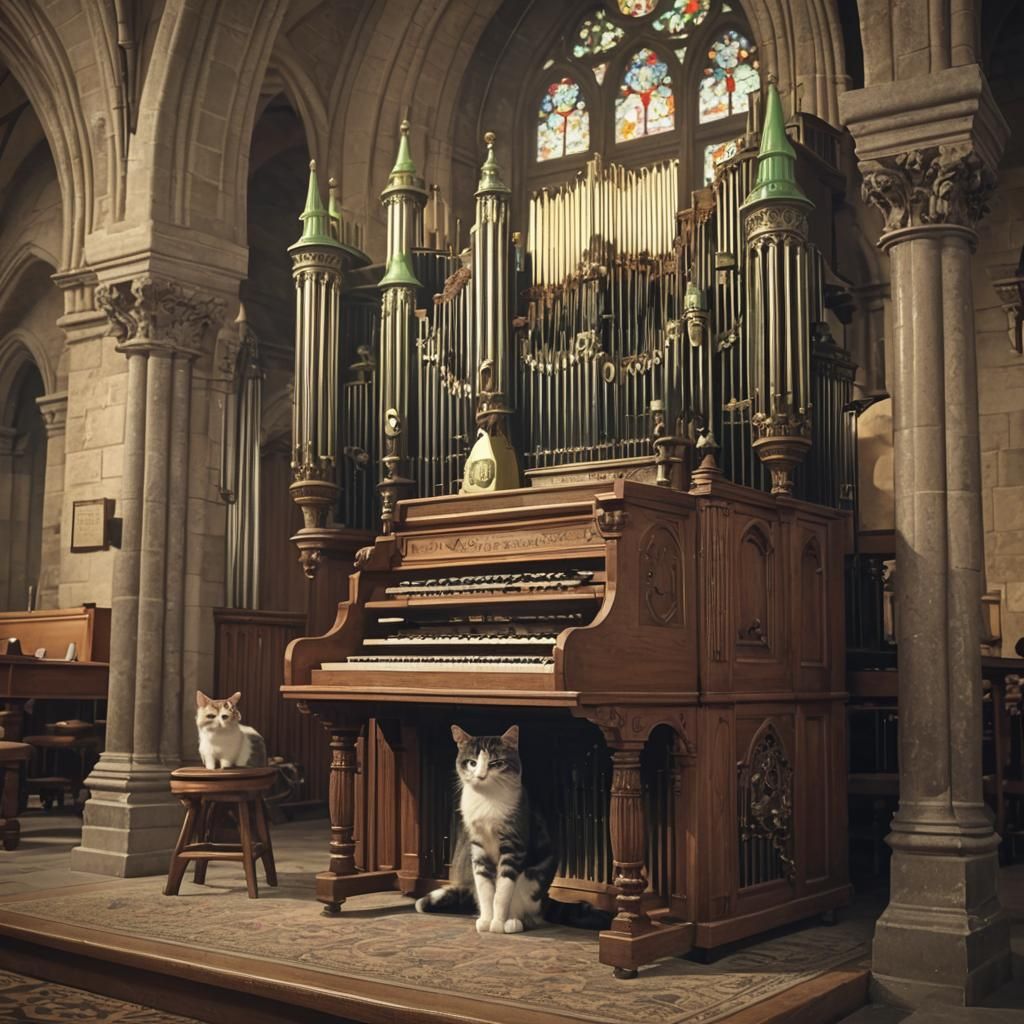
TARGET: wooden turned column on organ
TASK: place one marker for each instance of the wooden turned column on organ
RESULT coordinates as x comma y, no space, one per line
342,879
634,938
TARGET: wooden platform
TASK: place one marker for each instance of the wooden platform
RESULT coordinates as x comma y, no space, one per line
212,954
220,986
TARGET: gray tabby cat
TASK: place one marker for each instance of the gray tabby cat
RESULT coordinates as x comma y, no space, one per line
504,858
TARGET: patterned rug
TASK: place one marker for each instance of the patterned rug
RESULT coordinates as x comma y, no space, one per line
379,938
42,1002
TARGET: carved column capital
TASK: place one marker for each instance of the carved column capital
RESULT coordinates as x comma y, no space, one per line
936,185
1008,282
151,314
54,410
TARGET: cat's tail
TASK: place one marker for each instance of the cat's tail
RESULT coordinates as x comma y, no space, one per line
576,915
451,899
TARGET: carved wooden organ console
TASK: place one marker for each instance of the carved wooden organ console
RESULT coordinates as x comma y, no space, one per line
602,516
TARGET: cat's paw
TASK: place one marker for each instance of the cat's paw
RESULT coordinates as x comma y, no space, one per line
483,924
423,905
513,925
497,926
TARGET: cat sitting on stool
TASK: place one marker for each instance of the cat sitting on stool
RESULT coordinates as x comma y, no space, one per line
223,741
504,857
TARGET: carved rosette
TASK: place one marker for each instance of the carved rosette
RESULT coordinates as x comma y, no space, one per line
151,314
933,186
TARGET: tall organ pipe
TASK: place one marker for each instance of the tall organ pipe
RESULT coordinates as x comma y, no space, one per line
775,221
317,264
403,198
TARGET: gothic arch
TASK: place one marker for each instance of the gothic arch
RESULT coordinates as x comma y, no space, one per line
31,48
196,115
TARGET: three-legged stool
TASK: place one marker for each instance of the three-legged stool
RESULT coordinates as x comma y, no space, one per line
203,792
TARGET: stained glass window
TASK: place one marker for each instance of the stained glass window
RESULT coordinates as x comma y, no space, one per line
681,17
596,34
715,154
637,8
563,122
599,72
731,76
645,104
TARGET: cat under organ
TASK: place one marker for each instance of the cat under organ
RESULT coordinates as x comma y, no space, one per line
223,741
504,861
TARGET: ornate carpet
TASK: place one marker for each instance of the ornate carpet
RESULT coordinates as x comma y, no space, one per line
380,938
42,1002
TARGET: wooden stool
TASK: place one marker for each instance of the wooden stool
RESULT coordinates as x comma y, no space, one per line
202,792
11,756
48,780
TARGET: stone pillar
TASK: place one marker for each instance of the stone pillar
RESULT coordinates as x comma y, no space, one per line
8,436
131,823
55,415
929,170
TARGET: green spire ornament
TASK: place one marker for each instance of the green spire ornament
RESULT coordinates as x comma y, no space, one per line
404,177
776,159
490,172
316,221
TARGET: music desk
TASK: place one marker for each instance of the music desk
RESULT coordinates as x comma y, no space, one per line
25,678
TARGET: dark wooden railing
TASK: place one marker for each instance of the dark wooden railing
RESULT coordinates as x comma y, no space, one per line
250,658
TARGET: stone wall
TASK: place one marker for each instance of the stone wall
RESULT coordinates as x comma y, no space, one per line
1001,408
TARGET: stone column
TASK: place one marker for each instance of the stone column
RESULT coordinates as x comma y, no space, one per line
8,600
928,167
55,415
130,822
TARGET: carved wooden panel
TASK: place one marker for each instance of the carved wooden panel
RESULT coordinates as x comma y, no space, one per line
755,591
661,578
714,577
813,598
814,765
765,801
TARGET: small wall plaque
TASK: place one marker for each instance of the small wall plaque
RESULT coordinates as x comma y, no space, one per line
90,524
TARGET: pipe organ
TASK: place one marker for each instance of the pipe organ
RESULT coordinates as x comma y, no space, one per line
607,459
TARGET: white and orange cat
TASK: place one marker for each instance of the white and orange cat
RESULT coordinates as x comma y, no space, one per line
223,741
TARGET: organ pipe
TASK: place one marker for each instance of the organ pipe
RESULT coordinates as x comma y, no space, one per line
240,469
492,463
610,336
403,199
778,275
317,263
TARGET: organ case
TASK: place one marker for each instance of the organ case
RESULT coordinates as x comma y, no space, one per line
661,608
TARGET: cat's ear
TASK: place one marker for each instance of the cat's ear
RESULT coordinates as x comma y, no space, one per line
235,697
510,737
201,699
460,735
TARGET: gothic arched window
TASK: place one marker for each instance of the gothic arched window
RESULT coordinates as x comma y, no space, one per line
730,76
640,81
646,104
563,123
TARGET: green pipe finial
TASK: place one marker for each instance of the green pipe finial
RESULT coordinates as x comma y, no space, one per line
776,159
400,272
490,173
316,221
404,176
